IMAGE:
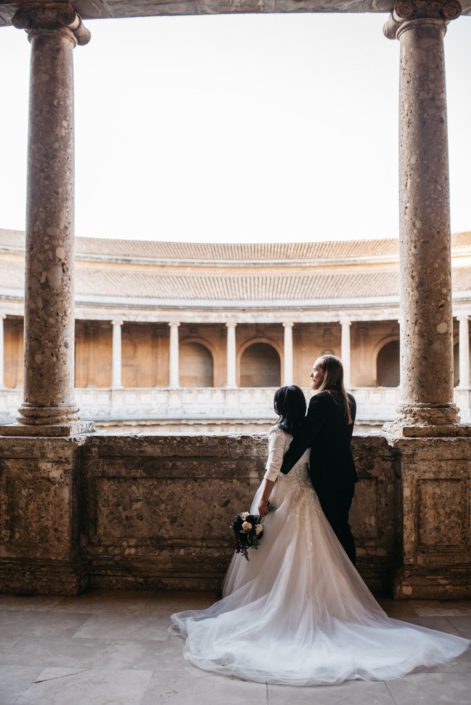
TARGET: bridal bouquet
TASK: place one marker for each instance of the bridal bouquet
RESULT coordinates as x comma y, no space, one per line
248,530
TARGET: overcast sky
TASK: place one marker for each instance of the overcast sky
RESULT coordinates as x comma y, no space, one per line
236,128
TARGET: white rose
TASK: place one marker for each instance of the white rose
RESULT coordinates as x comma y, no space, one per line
259,529
244,515
247,526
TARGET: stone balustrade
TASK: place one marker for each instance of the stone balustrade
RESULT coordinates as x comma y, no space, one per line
376,404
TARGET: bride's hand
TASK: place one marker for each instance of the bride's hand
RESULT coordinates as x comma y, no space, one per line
263,507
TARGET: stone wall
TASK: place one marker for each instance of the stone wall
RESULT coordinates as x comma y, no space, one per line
137,511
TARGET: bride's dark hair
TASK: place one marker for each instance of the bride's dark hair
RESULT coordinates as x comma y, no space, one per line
290,405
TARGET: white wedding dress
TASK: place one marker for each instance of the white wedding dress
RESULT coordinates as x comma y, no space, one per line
298,613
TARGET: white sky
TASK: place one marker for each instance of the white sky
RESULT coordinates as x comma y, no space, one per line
248,128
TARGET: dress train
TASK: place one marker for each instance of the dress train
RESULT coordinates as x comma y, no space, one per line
298,613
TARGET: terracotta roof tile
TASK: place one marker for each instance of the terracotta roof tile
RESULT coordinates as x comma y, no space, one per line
227,285
240,252
143,249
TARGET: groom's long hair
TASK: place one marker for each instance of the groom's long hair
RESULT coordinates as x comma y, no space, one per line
290,405
333,381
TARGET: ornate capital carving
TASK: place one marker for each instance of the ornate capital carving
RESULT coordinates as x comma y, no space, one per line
35,17
406,13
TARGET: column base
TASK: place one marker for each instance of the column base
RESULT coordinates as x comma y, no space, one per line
74,428
50,421
422,420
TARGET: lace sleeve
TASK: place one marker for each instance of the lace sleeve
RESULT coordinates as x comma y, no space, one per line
276,449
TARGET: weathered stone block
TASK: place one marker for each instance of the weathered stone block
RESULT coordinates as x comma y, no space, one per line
434,544
39,516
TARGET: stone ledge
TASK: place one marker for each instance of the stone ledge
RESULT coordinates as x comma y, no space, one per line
75,428
391,430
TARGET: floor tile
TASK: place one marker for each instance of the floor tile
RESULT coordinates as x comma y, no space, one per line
28,603
351,693
119,626
190,685
41,624
81,648
101,602
14,680
152,655
62,686
462,625
61,652
179,601
432,689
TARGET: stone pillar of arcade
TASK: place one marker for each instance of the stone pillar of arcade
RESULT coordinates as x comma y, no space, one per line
434,449
40,454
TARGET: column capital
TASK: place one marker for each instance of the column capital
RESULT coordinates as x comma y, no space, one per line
345,322
36,17
288,324
117,322
407,13
231,324
174,324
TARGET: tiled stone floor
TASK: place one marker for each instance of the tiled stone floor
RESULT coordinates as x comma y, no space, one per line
112,648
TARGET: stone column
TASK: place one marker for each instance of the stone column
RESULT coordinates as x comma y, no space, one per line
345,351
116,378
426,406
2,352
288,353
174,355
231,355
464,352
48,408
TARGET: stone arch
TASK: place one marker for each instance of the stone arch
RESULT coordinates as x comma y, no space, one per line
260,364
196,363
388,364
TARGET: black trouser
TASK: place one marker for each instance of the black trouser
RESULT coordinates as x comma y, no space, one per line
336,506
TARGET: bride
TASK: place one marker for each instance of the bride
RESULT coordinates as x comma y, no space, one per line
298,613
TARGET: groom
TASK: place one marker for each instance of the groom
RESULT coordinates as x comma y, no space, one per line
328,434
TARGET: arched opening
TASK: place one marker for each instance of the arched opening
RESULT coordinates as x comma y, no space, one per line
387,365
93,354
260,366
13,352
196,366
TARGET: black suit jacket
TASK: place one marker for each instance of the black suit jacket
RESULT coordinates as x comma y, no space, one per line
326,432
